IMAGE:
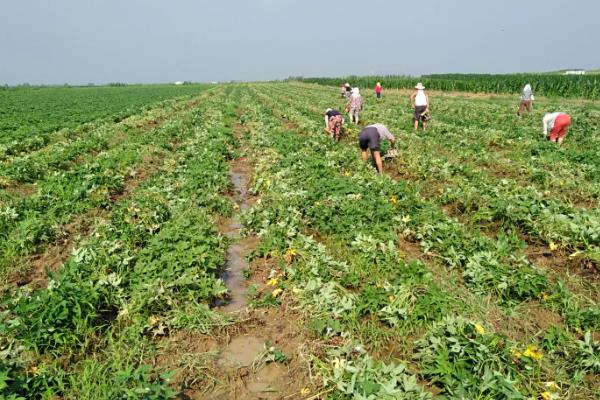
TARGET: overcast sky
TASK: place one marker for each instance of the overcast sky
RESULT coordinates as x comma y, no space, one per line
81,41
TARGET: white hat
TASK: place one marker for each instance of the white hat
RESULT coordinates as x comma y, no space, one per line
419,86
326,111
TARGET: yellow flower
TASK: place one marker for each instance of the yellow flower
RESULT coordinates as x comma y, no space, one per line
268,182
479,329
347,173
304,391
553,246
516,353
552,386
292,252
392,298
277,292
272,282
533,352
393,200
546,395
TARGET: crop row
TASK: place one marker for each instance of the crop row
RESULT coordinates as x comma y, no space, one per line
148,269
441,162
66,189
30,116
356,284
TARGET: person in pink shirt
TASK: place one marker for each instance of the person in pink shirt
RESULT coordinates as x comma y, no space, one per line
378,90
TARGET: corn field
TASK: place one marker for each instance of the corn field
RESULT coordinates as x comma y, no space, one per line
586,86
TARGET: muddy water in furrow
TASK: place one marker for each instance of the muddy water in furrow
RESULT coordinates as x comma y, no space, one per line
233,272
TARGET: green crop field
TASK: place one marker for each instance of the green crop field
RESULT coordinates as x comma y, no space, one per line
469,269
31,116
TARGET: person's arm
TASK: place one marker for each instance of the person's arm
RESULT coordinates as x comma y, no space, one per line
427,102
412,99
545,124
326,121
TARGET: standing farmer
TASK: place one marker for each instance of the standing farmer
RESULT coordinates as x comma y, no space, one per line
558,124
347,91
378,90
354,105
420,103
333,123
526,100
370,138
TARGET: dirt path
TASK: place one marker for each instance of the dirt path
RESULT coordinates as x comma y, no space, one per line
262,354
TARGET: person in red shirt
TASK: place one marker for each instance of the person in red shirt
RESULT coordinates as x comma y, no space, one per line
378,90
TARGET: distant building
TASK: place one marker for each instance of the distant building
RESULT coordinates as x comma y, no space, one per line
179,83
575,72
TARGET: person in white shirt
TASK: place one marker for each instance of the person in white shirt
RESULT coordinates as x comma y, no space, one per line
526,100
420,103
370,139
557,124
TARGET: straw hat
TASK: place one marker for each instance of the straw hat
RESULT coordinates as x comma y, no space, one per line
346,84
419,86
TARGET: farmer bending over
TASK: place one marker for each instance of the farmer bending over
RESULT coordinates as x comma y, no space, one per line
333,123
558,124
420,103
370,138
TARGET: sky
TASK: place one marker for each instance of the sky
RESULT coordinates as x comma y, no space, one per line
150,41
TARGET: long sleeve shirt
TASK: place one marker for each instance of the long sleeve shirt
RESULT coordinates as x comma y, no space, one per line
355,102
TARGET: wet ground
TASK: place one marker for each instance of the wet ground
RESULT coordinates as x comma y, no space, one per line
233,271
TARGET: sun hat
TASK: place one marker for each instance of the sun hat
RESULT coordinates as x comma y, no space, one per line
329,109
347,84
419,86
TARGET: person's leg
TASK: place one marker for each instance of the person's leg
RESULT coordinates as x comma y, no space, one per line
331,127
424,124
561,134
521,108
377,158
337,130
561,125
554,132
529,106
364,155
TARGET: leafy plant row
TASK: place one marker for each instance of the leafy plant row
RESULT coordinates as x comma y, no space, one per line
356,271
146,271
